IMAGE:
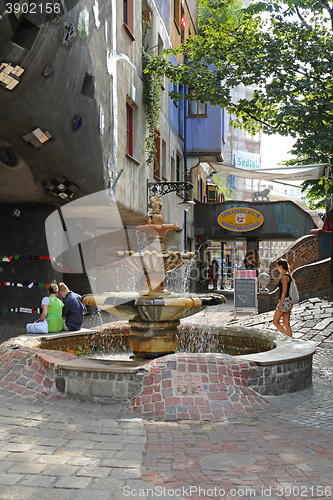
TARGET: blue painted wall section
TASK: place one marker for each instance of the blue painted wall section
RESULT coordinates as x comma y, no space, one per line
204,134
164,9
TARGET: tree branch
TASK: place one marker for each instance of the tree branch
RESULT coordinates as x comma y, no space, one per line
329,10
258,120
302,18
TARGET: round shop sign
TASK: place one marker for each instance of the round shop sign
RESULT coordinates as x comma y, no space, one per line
240,219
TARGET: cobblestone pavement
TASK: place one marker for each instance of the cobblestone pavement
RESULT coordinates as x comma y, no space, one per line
310,320
67,449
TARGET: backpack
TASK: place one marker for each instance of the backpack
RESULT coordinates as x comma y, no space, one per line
293,292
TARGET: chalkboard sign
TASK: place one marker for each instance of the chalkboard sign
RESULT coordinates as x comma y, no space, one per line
245,293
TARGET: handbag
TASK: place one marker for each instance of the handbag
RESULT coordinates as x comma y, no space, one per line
38,327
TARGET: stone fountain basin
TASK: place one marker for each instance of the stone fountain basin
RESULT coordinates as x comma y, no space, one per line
281,364
151,308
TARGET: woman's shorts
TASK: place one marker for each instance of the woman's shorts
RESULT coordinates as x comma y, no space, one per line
287,305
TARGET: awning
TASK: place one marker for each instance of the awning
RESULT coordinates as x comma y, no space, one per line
301,173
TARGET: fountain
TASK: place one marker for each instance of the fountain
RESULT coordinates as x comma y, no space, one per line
154,313
212,376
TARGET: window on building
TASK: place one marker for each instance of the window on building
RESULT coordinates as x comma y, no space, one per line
25,34
88,86
182,26
176,13
195,107
181,104
160,48
173,170
179,170
164,161
157,159
174,88
129,129
128,10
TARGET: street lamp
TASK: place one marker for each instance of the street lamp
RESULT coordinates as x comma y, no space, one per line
187,204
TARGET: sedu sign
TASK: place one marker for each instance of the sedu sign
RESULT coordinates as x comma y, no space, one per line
240,219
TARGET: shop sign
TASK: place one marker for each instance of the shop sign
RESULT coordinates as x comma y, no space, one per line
242,159
240,219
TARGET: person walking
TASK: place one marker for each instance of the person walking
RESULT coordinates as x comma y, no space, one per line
284,307
213,274
73,310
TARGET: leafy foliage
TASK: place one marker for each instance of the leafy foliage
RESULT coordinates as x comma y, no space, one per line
151,100
222,186
284,48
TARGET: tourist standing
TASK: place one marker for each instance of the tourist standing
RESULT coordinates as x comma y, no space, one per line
285,305
213,273
73,310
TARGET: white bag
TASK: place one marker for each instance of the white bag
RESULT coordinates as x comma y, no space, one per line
38,327
293,293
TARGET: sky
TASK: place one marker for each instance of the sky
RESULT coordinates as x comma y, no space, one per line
274,149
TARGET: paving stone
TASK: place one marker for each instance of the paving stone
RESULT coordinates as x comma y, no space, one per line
9,479
52,459
125,473
113,462
83,461
94,494
43,450
26,468
53,494
106,483
18,493
92,471
12,447
127,455
60,470
38,481
73,482
21,457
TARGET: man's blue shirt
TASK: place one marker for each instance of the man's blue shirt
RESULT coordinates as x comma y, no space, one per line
73,311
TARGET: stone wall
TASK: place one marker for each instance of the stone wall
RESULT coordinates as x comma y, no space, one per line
281,378
303,251
87,384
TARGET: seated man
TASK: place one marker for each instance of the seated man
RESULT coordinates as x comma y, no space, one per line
73,310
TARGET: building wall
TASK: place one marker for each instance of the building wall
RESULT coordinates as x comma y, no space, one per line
303,252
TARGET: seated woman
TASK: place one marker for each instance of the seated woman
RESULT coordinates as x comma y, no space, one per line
51,313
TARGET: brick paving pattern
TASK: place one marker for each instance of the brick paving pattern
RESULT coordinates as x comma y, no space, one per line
284,456
68,449
198,387
27,374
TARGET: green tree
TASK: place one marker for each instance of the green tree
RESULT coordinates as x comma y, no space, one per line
285,48
222,186
287,54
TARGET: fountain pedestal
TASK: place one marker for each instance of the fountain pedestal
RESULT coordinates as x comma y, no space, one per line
151,339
